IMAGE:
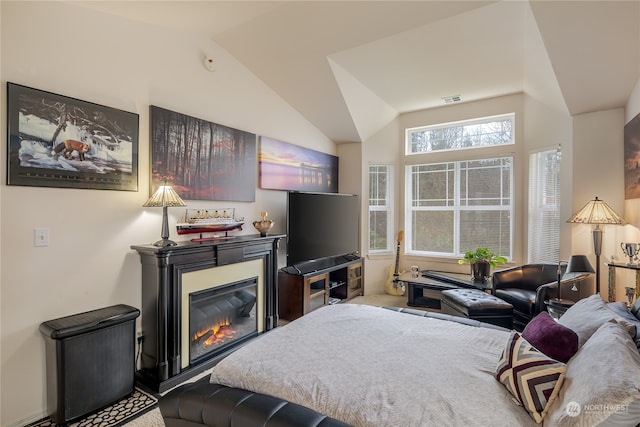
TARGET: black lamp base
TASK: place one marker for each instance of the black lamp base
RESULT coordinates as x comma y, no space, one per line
164,243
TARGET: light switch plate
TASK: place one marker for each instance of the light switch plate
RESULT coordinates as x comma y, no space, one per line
41,237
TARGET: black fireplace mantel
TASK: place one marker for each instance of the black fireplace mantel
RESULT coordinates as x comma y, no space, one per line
161,299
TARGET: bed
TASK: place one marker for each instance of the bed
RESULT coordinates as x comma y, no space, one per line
359,365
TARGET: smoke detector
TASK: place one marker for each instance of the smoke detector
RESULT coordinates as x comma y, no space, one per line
209,64
452,99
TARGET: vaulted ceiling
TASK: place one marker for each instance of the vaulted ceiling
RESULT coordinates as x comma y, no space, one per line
350,67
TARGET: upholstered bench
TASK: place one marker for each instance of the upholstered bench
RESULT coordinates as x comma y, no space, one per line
478,305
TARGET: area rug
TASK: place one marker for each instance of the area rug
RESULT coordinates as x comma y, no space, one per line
115,415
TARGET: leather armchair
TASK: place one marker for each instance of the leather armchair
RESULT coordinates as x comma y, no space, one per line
526,287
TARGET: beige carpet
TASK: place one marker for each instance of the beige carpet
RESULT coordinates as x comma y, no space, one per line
154,419
382,300
150,419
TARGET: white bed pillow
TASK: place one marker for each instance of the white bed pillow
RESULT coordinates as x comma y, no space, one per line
620,308
588,314
602,382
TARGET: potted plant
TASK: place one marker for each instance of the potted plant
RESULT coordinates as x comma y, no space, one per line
481,261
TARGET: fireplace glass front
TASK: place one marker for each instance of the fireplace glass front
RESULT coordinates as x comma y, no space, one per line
220,316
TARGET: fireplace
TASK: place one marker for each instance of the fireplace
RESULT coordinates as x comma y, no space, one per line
222,293
221,316
200,301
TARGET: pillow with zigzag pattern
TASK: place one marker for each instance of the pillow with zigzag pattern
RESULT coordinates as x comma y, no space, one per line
533,378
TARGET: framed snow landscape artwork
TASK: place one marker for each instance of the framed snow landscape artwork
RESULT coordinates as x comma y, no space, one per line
57,141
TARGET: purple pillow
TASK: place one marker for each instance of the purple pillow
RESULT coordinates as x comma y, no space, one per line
551,338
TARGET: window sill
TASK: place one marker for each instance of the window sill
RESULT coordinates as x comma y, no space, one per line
381,255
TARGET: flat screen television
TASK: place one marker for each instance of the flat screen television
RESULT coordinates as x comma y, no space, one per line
321,225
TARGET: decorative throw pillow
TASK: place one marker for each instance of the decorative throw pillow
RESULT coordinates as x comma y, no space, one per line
588,314
531,377
635,308
556,341
620,308
602,382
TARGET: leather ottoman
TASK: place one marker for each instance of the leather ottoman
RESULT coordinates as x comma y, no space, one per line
478,305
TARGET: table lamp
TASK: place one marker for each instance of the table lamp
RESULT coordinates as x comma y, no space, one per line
578,269
597,212
163,197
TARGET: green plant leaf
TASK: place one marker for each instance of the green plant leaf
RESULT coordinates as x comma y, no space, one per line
482,255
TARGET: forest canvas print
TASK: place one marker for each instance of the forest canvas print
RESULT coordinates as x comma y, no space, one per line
285,166
202,160
57,141
632,159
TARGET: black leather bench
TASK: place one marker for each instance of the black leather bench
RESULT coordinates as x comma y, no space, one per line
478,305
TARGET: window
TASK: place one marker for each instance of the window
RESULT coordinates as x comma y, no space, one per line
380,212
484,132
544,206
459,206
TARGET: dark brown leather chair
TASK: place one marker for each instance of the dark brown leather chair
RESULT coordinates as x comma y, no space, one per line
526,288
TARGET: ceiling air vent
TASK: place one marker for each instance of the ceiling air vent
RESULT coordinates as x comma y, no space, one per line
452,99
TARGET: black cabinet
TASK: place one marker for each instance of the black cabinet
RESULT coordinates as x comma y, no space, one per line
90,360
162,272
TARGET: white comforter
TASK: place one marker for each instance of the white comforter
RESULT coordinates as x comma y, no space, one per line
369,366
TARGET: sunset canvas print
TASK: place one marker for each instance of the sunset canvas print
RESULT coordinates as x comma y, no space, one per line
285,166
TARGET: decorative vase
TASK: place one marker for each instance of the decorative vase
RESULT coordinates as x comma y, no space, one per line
264,225
480,271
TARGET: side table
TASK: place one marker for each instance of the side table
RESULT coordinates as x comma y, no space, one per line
459,279
612,278
426,289
424,292
557,307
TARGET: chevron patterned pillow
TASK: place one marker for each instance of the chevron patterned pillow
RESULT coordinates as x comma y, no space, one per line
530,376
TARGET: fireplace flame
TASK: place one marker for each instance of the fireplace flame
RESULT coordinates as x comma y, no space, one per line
215,335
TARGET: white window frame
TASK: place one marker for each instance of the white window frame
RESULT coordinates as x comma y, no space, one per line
457,124
503,148
387,207
456,208
543,240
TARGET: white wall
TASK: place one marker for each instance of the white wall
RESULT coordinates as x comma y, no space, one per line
350,171
88,264
384,147
598,161
546,128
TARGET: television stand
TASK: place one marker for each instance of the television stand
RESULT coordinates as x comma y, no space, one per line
320,264
309,286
